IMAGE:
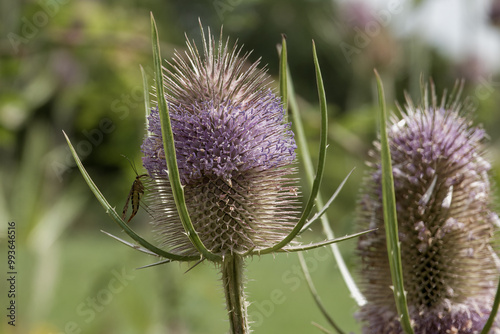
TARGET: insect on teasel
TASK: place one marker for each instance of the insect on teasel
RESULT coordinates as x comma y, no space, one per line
134,196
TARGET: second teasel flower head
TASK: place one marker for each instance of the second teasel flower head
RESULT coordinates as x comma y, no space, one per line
445,222
235,154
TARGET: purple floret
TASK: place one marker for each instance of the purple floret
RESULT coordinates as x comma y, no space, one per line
221,140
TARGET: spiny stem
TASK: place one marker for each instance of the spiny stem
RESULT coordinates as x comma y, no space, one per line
232,280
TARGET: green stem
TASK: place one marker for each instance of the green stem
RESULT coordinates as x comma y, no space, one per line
232,280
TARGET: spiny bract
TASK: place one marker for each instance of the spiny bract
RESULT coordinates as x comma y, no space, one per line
445,223
235,154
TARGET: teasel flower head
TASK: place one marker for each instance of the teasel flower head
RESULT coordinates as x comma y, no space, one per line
445,223
235,154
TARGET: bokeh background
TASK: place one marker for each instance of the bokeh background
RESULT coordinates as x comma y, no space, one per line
73,65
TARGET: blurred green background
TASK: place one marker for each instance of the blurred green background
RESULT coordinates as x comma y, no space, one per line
74,65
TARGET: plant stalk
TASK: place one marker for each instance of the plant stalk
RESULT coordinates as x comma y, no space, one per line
233,282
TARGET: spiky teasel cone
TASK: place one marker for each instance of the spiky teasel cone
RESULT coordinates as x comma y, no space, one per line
235,157
234,151
445,224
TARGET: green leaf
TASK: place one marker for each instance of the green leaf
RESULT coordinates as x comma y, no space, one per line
321,162
111,211
169,147
321,243
283,75
309,170
129,244
390,216
320,213
147,106
154,264
493,313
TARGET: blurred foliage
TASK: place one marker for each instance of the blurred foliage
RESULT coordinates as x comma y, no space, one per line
74,66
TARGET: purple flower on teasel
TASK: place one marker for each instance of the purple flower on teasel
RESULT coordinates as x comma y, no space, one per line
235,154
446,224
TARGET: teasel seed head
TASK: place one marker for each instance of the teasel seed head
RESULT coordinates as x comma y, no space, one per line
445,223
235,154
